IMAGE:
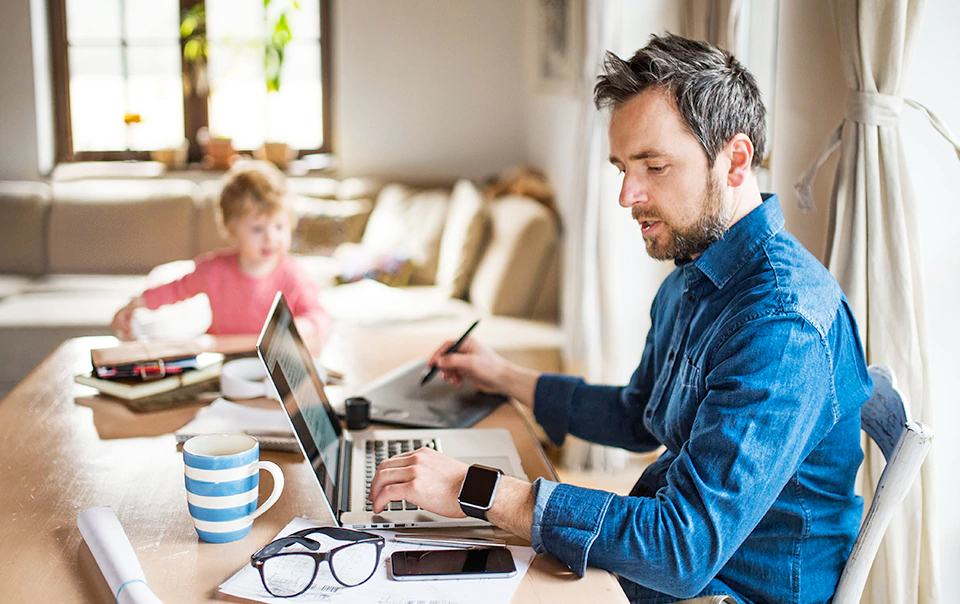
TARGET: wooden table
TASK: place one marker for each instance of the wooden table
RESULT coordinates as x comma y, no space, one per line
62,451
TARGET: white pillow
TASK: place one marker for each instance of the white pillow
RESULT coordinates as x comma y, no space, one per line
464,237
408,223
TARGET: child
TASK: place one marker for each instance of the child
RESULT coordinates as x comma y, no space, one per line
241,282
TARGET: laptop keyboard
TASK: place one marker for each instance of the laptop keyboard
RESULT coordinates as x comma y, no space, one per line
379,450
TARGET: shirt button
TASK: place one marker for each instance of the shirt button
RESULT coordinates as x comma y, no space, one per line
648,413
691,298
670,356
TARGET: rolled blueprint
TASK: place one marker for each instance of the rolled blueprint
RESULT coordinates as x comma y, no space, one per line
115,556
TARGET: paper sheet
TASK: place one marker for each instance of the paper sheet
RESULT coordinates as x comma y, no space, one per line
246,583
225,416
115,556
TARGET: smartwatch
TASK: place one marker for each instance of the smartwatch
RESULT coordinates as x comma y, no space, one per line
478,490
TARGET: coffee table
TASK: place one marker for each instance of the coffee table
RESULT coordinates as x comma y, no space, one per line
63,451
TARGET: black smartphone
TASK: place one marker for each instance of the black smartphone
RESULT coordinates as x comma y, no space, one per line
474,563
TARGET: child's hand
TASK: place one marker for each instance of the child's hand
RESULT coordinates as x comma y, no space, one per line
122,321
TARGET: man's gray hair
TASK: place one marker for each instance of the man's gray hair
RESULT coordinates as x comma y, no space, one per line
716,96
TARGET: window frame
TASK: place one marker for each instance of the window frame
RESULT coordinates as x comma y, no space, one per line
195,112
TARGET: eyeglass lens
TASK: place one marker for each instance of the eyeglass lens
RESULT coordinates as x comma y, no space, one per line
355,564
290,574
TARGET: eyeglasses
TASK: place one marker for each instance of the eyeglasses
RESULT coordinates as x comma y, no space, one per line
289,574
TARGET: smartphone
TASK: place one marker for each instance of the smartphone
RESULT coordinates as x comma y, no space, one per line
474,563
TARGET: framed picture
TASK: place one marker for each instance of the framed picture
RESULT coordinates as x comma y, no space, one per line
559,51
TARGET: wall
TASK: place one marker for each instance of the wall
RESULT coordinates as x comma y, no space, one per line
18,113
429,89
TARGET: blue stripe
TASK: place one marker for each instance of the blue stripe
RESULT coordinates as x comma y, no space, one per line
222,489
222,462
224,537
221,515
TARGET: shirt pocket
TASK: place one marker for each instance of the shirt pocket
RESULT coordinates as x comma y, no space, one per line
687,393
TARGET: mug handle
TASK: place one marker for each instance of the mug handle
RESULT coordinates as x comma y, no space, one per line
277,473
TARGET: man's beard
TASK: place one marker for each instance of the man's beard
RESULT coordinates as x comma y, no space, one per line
686,243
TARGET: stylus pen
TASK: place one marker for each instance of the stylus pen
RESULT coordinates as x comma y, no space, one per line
452,348
450,541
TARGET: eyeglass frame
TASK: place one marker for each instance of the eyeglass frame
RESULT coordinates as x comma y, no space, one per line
275,547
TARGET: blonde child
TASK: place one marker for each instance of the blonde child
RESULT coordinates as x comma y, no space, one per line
241,281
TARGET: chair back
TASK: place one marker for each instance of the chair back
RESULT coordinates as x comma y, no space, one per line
904,443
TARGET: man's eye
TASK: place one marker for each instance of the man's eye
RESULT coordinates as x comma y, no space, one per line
656,169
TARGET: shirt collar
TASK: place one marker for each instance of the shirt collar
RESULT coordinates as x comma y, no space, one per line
722,259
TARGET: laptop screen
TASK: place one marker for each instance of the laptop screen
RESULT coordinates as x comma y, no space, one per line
290,367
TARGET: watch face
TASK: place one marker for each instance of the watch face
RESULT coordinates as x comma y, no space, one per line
478,487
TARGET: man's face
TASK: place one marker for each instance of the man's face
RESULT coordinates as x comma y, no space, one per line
678,201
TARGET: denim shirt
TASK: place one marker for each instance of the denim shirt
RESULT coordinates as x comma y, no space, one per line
752,378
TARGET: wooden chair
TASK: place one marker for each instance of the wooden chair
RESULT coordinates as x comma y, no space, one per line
904,444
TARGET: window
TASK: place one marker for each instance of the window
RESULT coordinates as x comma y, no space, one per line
125,85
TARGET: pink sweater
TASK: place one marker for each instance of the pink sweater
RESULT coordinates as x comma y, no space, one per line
239,302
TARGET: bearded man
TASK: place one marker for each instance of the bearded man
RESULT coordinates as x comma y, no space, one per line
752,377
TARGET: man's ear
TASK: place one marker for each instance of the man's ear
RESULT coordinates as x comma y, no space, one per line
739,151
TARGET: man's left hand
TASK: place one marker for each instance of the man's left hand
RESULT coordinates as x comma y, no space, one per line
425,478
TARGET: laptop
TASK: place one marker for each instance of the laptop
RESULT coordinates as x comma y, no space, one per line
344,462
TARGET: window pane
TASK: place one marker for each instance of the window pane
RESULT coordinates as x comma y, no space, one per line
297,121
237,94
155,93
96,99
92,21
236,21
240,107
305,21
152,20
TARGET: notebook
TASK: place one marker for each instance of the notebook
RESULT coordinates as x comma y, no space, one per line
343,462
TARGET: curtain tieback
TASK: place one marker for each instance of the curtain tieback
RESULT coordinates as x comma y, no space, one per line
876,109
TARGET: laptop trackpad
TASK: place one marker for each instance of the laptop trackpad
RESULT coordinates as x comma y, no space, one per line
500,462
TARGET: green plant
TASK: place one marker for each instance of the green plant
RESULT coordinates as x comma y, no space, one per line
193,31
276,41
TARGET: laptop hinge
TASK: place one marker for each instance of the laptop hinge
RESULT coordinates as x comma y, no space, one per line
343,490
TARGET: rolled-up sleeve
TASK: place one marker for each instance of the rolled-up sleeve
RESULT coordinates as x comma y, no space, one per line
542,490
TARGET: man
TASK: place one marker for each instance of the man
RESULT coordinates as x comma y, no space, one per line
752,376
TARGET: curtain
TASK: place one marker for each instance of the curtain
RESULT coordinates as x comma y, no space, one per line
714,21
583,290
873,251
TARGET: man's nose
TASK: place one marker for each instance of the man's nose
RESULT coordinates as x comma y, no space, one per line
632,191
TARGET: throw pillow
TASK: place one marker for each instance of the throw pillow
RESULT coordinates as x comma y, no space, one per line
408,223
464,237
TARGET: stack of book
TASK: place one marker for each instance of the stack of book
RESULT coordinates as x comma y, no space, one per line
153,374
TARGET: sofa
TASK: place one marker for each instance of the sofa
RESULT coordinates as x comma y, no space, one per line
73,251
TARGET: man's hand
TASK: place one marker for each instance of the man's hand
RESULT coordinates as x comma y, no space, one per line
488,371
122,321
425,478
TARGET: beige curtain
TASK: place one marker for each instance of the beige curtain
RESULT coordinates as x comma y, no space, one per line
873,252
581,303
584,291
714,21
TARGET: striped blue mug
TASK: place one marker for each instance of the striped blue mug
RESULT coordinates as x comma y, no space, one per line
222,474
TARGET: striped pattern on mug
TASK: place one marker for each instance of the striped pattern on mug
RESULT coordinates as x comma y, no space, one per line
222,493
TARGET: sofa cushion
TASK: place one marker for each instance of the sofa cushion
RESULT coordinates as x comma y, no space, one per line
120,226
411,223
24,208
518,259
464,235
208,235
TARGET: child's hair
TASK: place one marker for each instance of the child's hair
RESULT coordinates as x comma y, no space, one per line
253,186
